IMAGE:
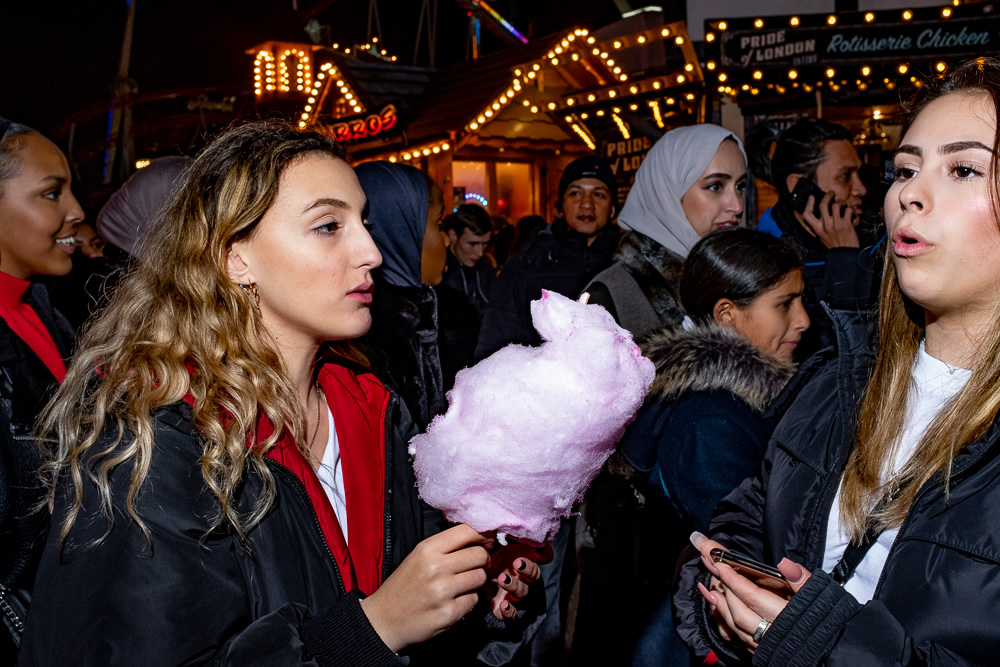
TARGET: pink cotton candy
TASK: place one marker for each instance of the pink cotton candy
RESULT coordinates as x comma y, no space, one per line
528,429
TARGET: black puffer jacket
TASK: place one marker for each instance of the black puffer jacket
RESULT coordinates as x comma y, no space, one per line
936,603
26,385
557,259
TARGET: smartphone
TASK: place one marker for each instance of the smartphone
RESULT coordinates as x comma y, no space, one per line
761,574
800,196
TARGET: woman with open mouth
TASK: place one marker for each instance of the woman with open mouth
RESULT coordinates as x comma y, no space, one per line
878,499
38,216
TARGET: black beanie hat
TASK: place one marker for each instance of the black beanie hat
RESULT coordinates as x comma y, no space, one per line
590,166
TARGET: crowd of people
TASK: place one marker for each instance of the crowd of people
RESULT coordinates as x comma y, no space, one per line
206,400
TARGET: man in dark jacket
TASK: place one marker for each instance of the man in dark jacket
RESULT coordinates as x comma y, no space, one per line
837,246
562,258
464,292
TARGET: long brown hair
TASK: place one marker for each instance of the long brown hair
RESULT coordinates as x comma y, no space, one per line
178,326
883,409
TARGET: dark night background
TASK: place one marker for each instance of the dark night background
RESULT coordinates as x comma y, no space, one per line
58,58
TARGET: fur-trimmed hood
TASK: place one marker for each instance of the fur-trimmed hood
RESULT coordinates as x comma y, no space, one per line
710,357
657,271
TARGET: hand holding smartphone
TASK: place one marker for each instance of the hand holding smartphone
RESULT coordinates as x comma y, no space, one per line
761,574
800,196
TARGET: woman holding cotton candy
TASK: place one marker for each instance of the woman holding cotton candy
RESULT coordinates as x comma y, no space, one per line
229,485
895,498
38,217
690,184
703,428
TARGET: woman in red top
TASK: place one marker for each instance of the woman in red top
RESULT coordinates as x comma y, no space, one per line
38,215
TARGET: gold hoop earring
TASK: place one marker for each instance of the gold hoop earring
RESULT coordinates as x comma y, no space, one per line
251,289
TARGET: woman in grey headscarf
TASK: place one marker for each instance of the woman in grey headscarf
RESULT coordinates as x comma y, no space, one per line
691,183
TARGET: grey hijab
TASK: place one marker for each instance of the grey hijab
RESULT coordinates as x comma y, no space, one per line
673,165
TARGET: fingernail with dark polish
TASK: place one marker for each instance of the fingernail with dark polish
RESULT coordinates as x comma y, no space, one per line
506,578
522,564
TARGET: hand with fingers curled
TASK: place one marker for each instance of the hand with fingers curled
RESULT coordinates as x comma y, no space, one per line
513,568
743,609
835,227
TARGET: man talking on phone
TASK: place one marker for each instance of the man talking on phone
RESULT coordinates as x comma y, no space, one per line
815,168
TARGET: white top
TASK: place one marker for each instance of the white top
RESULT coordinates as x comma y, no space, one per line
934,384
331,475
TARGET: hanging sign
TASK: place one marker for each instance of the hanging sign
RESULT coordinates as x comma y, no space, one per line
625,156
364,127
868,42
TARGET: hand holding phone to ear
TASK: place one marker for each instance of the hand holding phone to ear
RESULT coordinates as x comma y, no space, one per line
835,225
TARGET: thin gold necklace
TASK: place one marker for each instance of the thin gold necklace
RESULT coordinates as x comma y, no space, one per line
319,390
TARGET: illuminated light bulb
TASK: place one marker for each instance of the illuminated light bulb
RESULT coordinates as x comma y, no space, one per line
830,73
576,56
349,96
536,67
383,52
481,119
309,107
670,100
550,54
656,85
689,67
393,59
623,77
596,51
347,50
590,40
591,97
570,101
610,62
517,72
946,12
722,25
534,109
865,71
665,32
436,149
759,23
907,15
559,49
531,75
681,78
690,96
600,112
473,126
569,119
722,89
641,39
745,86
617,70
302,124
633,107
611,93
794,21
793,74
526,103
758,75
406,156
633,90
604,54
710,64
903,69
489,113
617,44
555,61
583,116
869,17
709,36
496,106
427,151
552,105
941,66
445,147
678,40
831,19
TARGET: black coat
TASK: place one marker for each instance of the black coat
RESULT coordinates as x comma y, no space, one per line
936,602
26,385
557,259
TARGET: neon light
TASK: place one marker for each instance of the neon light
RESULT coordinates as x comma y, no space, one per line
478,197
499,19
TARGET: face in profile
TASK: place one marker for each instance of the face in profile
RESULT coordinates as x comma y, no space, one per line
774,322
715,201
433,253
38,213
938,211
838,172
469,247
311,256
586,205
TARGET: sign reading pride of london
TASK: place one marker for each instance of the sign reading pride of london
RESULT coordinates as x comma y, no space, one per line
862,43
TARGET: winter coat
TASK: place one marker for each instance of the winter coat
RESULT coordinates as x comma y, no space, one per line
404,349
26,385
557,259
640,288
462,299
703,428
843,278
190,596
936,601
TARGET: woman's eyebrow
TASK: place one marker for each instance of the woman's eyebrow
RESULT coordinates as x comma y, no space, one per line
328,201
717,174
959,146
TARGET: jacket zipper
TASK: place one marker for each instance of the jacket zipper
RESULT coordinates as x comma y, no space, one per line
304,495
906,520
386,513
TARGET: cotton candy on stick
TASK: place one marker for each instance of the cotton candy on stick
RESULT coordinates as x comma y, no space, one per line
528,428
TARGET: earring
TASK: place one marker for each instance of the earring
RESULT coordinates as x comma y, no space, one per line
251,289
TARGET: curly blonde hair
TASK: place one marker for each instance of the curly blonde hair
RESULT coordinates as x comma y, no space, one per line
178,326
